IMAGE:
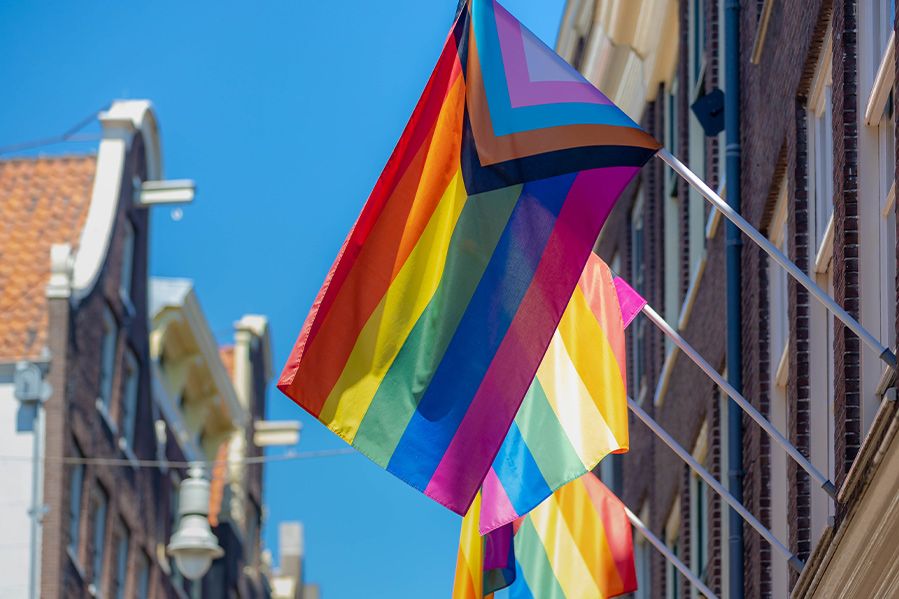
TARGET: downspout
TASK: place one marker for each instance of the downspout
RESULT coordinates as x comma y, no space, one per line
733,287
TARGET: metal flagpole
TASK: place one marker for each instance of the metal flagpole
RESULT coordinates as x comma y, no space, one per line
796,563
750,410
803,279
669,555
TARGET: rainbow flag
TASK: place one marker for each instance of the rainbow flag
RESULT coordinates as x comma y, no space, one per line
433,320
575,411
485,563
575,545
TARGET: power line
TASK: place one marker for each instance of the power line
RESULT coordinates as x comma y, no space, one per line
67,135
288,457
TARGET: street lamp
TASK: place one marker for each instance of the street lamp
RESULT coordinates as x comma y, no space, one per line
193,545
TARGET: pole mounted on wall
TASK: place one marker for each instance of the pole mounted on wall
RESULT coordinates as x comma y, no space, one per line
669,555
794,561
735,395
885,354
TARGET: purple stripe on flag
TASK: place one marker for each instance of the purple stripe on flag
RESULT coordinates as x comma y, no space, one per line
630,301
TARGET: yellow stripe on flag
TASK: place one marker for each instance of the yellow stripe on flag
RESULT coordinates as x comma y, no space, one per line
565,558
596,365
469,580
388,327
588,531
576,410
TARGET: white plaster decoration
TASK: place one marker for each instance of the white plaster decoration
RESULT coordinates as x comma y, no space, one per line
119,123
61,269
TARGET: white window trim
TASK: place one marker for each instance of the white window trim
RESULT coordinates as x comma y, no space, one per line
665,377
890,201
781,377
817,104
883,85
825,250
692,290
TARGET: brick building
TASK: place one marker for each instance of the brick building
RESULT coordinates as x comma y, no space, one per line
818,169
76,330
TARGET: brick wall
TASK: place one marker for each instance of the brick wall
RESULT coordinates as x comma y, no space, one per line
135,495
847,377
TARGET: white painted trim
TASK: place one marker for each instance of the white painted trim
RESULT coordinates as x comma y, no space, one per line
120,123
890,201
180,191
783,366
665,377
883,85
825,250
692,291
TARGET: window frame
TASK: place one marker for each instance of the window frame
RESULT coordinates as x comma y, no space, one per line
120,580
130,397
819,133
98,557
108,351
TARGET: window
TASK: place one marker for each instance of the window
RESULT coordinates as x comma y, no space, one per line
100,507
127,263
699,522
129,398
672,577
672,539
638,274
671,137
820,146
779,331
696,151
121,571
107,358
143,576
76,486
642,566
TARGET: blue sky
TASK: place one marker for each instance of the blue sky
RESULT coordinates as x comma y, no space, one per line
284,114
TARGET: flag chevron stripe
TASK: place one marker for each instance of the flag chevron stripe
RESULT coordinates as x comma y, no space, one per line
507,119
477,233
420,346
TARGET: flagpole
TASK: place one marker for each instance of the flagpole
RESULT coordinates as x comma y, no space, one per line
669,555
747,407
795,563
803,279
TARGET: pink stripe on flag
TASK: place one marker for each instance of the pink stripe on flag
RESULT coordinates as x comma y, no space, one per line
630,301
471,452
496,508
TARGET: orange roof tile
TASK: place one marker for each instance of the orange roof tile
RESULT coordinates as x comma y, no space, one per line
226,353
43,201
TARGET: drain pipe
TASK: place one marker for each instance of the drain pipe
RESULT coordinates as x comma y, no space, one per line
733,249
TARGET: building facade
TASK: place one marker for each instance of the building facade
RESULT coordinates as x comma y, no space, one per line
98,409
818,172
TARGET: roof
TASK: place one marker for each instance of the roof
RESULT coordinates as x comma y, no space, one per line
43,201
